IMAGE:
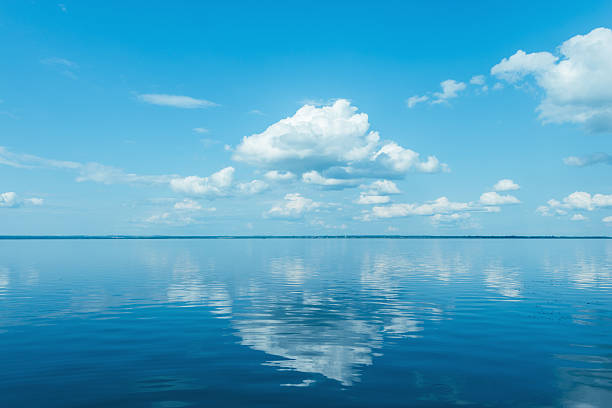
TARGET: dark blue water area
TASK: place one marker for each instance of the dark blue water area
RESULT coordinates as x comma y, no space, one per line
301,323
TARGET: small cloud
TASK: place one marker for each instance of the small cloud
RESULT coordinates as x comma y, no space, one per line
381,187
256,112
187,204
200,130
494,198
294,206
34,201
477,80
216,185
275,175
365,199
314,177
9,199
506,185
415,100
607,219
62,7
252,187
578,217
177,101
450,90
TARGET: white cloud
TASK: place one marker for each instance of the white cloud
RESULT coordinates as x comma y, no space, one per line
377,192
441,205
252,187
381,187
415,100
275,175
177,218
505,185
607,219
313,177
187,204
581,161
401,160
521,64
34,201
442,208
10,199
494,198
217,184
450,89
177,101
329,137
578,200
577,82
544,211
366,199
477,80
330,134
200,130
578,217
295,206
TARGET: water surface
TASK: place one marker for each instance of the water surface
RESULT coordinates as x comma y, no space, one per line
335,322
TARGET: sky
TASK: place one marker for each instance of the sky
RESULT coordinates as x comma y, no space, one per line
330,118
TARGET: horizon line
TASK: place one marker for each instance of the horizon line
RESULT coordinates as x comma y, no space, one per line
346,236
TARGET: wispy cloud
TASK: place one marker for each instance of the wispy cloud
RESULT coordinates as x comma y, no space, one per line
219,184
65,66
450,90
177,101
588,160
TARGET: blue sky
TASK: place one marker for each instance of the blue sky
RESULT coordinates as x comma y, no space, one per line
318,118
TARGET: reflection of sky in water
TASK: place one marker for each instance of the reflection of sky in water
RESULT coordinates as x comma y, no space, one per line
424,316
4,279
503,279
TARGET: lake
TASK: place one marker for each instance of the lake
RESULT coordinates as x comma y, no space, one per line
306,322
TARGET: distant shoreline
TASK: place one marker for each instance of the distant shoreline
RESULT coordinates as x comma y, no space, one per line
132,237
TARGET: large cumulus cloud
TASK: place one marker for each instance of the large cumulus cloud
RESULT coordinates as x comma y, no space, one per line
336,141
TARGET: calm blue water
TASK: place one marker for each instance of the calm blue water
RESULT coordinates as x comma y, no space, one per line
303,323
